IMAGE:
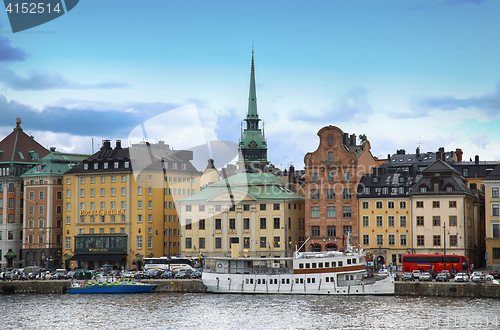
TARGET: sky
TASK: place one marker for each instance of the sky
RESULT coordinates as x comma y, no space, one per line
405,73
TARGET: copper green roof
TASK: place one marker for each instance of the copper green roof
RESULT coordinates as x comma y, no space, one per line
262,186
55,163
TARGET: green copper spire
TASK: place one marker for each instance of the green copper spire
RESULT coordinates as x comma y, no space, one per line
252,98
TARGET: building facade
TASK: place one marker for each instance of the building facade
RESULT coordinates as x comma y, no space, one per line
250,214
120,204
332,173
18,154
492,210
43,205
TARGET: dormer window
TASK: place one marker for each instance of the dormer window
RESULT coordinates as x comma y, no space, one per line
85,166
33,154
385,190
423,189
465,172
96,166
127,164
105,166
183,166
401,179
116,164
449,189
20,154
375,179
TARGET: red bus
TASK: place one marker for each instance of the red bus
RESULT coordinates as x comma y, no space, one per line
435,262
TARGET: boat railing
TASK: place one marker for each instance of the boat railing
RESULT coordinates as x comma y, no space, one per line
248,270
356,282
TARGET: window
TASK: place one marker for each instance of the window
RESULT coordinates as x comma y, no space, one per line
331,177
378,205
113,192
40,237
402,205
68,193
315,231
435,204
453,220
67,244
139,218
82,180
92,218
331,231
330,156
365,205
346,194
347,176
385,190
453,240
380,239
436,240
124,178
367,191
420,240
423,189
366,239
420,204
390,205
246,242
314,211
391,239
315,177
347,230
246,223
139,178
232,223
276,241
390,221
32,195
262,207
401,190
139,205
465,172
139,242
276,223
420,220
453,204
123,204
379,221
276,206
218,243
346,212
436,220
31,210
402,240
201,242
68,220
402,221
314,193
82,192
495,192
262,223
201,208
201,224
112,218
263,242
365,221
58,209
188,243
330,212
330,194
495,210
68,206
139,191
42,209
218,224
42,194
68,180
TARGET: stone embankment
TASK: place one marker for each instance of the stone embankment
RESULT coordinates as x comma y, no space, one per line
57,286
448,289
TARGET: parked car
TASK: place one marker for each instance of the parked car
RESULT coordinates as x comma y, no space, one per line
495,273
448,273
153,273
478,277
59,274
425,277
442,277
383,273
462,277
182,274
167,274
408,277
416,274
196,274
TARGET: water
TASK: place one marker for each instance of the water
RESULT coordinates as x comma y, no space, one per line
211,311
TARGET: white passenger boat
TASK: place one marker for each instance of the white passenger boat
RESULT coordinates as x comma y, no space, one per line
329,272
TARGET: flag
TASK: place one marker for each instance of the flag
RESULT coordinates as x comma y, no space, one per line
343,239
201,256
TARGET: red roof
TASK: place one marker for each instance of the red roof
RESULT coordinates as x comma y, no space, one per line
20,147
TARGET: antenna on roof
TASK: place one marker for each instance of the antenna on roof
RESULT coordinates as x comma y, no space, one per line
419,143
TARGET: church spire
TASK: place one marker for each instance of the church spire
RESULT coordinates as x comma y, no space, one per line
252,98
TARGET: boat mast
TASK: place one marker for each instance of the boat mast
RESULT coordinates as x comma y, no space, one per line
303,244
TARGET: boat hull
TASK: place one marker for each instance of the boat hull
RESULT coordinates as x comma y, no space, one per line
113,288
287,284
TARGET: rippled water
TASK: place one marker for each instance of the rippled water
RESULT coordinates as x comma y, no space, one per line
211,311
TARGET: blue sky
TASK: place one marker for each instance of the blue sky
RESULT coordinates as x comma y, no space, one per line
398,71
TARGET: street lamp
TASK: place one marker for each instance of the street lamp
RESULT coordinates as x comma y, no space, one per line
444,241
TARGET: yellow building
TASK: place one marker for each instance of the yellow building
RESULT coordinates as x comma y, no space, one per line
255,211
120,204
492,215
384,215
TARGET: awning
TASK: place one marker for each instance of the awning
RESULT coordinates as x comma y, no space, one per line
10,254
98,257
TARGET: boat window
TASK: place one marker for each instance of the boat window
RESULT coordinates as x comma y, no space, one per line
251,281
348,261
313,265
334,264
301,266
247,281
287,281
328,279
282,281
258,281
275,281
301,280
320,265
308,280
354,260
340,264
296,281
331,279
313,280
327,264
308,265
263,281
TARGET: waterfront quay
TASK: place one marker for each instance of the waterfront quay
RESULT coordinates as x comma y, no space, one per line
447,289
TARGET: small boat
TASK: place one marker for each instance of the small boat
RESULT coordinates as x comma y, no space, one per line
111,286
328,272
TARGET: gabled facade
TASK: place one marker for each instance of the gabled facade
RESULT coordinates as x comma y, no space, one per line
492,210
120,204
253,210
18,154
384,214
252,144
332,173
43,205
445,212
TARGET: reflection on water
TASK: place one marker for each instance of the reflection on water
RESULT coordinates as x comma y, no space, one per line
211,311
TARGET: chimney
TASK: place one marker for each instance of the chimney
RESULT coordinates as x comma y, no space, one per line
345,138
459,154
118,144
476,160
353,140
210,163
388,157
418,152
291,175
52,149
106,145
